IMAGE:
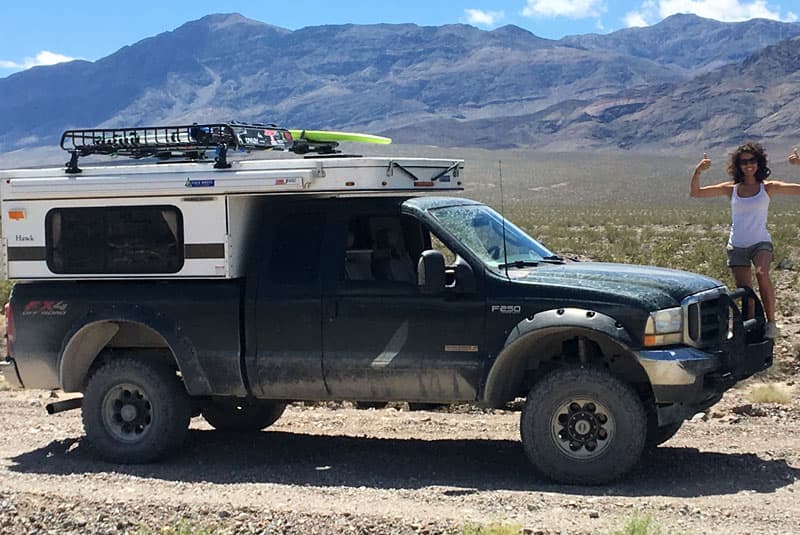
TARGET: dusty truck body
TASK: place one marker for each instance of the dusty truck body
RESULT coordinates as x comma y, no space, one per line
163,291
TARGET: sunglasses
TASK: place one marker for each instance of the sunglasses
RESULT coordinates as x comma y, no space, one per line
747,161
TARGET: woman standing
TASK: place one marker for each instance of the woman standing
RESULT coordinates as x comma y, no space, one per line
749,241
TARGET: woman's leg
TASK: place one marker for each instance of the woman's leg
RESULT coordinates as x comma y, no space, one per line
743,278
762,260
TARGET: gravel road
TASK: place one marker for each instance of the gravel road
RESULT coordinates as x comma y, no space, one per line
337,469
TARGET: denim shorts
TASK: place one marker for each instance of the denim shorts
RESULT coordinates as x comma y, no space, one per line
743,256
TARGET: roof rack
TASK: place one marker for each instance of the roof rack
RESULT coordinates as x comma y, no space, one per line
185,141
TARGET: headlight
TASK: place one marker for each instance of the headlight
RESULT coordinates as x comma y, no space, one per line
664,327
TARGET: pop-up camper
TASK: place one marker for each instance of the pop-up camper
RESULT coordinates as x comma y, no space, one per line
179,214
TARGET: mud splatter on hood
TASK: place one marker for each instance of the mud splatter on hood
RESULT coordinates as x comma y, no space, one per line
659,287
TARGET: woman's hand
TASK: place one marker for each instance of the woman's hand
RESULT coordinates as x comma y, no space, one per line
794,157
705,163
695,190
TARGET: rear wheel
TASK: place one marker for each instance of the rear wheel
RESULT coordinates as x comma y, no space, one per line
135,411
242,415
583,426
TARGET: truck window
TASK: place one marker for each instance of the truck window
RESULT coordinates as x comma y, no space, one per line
487,234
437,244
381,248
114,240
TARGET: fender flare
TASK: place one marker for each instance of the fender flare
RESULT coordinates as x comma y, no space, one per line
508,369
92,332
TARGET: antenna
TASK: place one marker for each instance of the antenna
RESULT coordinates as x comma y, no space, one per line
503,214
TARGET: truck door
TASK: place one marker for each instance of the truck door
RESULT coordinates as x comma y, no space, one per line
286,361
382,338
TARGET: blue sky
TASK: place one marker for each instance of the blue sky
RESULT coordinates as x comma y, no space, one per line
48,31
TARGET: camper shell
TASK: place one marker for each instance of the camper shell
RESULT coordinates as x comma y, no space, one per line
174,220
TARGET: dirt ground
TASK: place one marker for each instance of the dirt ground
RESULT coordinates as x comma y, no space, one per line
336,469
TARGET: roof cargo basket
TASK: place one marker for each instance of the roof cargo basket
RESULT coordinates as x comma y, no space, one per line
185,141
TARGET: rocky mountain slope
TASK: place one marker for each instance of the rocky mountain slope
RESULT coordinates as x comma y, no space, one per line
681,82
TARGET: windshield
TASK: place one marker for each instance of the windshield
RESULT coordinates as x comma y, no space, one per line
480,229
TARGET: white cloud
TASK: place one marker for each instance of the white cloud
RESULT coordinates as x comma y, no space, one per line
45,57
634,19
645,16
575,9
651,11
483,18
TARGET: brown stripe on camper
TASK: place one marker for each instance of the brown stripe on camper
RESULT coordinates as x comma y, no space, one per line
27,254
203,250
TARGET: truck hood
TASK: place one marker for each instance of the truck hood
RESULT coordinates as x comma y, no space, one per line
654,287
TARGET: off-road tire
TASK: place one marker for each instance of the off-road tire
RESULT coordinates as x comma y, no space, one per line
242,415
583,426
657,435
135,410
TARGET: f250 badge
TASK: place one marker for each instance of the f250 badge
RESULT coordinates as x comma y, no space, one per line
45,308
507,309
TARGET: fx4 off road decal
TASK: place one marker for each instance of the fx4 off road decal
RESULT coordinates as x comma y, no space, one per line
45,308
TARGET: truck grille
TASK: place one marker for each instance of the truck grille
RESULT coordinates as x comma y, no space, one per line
707,318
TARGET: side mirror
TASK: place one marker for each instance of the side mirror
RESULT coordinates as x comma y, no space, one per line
430,272
464,278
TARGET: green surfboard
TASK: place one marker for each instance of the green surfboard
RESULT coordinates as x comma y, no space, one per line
327,136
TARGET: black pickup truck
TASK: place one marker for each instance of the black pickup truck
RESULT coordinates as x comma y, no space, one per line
415,299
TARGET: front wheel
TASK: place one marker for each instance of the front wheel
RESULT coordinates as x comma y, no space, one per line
583,426
135,410
657,435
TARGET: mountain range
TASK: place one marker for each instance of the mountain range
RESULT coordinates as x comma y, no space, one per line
684,85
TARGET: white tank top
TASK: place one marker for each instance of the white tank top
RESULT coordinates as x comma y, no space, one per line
749,218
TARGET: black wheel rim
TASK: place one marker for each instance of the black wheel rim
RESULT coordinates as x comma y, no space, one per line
582,428
127,413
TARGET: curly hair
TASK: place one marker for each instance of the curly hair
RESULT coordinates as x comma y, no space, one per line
735,170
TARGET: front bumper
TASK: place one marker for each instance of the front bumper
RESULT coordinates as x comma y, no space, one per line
8,369
691,376
722,348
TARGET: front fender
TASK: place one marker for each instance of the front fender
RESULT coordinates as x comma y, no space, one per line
94,330
537,339
571,318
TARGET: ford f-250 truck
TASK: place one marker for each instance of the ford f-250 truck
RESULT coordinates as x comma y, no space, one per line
346,295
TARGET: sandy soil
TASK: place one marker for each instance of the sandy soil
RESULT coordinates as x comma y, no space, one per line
337,469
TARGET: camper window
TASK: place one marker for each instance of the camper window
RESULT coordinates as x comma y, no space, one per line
114,240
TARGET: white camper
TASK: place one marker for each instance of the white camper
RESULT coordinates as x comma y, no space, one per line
177,219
